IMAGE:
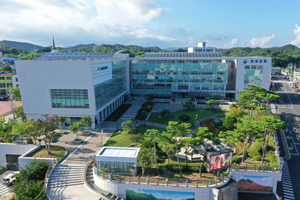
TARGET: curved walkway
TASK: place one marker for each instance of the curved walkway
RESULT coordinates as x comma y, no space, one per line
66,180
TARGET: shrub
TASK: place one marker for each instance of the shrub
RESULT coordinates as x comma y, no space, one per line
257,158
236,159
239,148
29,141
255,149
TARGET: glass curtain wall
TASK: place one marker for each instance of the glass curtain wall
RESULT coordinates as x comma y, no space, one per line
67,98
162,78
253,75
116,167
107,90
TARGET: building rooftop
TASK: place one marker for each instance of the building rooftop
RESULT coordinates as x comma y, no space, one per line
74,56
183,54
119,152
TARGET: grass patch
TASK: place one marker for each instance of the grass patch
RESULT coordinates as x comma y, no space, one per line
174,116
1,168
56,152
121,139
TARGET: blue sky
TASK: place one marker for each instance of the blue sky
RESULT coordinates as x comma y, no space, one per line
162,23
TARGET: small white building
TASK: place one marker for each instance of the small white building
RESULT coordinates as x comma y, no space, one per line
118,160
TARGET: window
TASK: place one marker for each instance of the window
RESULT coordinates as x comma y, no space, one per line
253,66
8,78
16,79
1,78
260,66
247,67
183,87
66,98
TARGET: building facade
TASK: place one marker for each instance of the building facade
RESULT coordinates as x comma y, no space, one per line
73,85
95,84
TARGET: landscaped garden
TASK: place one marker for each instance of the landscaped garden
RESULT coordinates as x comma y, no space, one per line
56,152
248,126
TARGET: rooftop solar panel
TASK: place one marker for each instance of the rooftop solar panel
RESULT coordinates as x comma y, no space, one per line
73,56
183,54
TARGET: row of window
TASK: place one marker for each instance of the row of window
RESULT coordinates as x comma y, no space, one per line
68,98
254,67
5,85
5,78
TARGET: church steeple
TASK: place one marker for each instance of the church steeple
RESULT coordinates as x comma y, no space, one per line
53,45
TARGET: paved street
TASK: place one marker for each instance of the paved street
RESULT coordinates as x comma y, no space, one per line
4,189
289,111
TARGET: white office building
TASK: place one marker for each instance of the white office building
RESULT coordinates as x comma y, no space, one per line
95,84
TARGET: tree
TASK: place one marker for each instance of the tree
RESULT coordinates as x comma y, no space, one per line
189,105
167,144
128,125
248,129
87,121
61,120
29,184
154,135
178,130
74,128
164,114
149,97
145,159
46,126
6,68
19,112
229,122
16,94
23,128
204,135
184,118
212,103
268,124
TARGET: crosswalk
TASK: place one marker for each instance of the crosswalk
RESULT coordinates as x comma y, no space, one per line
4,190
287,186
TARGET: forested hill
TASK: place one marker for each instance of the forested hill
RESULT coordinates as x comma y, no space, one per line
281,56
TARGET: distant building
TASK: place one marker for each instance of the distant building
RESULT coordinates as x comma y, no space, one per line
95,84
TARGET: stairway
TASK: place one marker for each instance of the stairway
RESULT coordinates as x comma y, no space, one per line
90,181
66,175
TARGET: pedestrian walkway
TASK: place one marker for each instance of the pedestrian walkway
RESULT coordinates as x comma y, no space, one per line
287,186
67,179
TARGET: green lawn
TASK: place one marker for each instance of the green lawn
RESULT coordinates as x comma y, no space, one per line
201,112
119,139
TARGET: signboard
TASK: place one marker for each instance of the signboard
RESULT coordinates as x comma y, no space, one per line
255,183
102,73
137,194
218,160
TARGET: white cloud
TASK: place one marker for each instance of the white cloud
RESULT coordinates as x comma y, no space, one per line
261,42
297,34
81,19
232,43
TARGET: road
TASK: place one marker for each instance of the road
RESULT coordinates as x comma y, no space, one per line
289,111
4,189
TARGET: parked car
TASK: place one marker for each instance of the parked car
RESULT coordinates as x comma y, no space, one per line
10,178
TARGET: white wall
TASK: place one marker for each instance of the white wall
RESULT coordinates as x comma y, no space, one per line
267,69
14,149
203,193
36,78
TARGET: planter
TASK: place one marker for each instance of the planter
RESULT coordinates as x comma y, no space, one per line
62,132
77,141
86,133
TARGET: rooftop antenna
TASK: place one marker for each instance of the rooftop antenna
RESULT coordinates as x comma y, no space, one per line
53,45
95,48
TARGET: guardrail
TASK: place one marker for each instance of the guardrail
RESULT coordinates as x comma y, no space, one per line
47,175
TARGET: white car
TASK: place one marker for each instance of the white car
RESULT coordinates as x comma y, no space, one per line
10,178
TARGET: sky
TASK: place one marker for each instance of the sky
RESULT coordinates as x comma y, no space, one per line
161,23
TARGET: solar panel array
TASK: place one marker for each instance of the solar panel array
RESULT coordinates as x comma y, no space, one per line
74,56
183,54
